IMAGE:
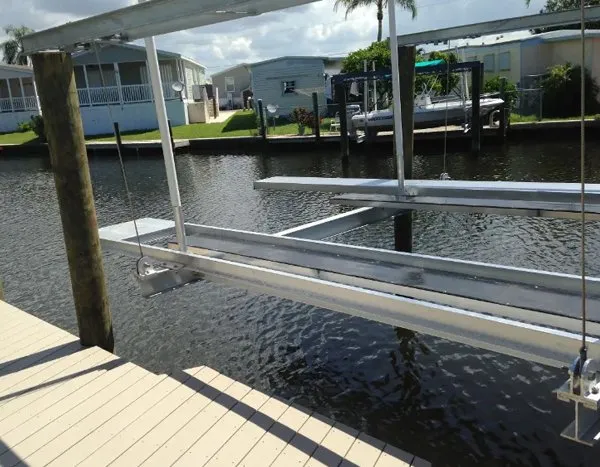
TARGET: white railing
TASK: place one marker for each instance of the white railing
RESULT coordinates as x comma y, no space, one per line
18,104
131,93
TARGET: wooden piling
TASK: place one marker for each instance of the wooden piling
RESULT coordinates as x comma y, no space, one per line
62,120
317,128
406,63
476,77
118,137
261,113
340,97
504,108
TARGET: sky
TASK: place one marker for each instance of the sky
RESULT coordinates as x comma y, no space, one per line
313,29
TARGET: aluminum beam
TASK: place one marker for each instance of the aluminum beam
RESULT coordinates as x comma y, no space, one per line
339,223
152,18
485,206
500,26
531,342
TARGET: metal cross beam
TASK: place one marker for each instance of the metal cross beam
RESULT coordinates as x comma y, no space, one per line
150,18
499,26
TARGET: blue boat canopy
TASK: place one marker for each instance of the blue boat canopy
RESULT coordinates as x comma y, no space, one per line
429,63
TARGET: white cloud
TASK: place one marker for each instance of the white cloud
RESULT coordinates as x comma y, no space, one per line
313,29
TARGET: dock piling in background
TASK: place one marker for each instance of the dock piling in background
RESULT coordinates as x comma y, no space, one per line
503,111
340,97
476,77
55,82
261,113
317,123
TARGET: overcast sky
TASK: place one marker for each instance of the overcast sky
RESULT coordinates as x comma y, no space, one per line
313,29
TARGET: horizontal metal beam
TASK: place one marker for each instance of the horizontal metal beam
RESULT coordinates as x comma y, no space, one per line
533,343
386,73
485,206
151,18
519,23
339,223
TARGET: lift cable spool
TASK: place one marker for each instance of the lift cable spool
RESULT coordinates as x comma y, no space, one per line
583,385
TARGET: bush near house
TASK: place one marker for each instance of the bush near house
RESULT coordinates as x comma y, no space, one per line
37,125
303,118
562,92
23,127
510,90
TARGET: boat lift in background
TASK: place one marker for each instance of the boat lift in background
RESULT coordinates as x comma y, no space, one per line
529,314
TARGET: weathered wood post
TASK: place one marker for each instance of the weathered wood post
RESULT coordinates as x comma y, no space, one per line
317,128
476,76
340,97
118,137
503,111
406,63
261,113
58,98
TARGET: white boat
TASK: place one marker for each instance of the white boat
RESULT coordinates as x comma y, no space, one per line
427,114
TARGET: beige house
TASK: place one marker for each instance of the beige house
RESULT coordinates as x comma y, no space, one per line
521,60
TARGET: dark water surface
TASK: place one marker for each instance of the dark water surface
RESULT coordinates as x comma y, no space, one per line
450,403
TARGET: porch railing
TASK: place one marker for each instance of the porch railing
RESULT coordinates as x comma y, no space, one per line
131,93
18,104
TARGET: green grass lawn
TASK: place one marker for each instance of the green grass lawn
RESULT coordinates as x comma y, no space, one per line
515,118
239,124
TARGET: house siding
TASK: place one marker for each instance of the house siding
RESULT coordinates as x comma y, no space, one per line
242,81
267,79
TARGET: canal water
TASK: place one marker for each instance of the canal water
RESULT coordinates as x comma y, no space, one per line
450,403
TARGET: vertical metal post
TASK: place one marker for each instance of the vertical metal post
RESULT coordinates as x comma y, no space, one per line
163,126
365,96
317,129
10,97
398,135
171,135
118,82
475,110
261,113
215,101
340,97
22,93
58,96
87,85
374,90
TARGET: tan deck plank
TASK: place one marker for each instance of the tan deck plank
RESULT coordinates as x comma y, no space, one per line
25,336
227,391
212,440
36,342
305,442
365,451
334,447
142,383
28,373
236,447
275,440
112,449
127,375
28,404
98,437
172,423
394,457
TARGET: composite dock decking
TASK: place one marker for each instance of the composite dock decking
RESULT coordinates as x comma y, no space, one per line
65,405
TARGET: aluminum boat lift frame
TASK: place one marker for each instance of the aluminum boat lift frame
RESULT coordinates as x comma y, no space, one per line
423,293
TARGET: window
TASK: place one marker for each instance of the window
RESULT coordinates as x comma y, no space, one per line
229,84
504,61
289,87
489,63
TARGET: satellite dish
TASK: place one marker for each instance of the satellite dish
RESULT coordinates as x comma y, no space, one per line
177,86
272,108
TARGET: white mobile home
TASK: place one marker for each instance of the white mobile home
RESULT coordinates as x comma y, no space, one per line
18,101
288,82
234,86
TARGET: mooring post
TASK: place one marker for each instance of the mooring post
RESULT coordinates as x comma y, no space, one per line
340,97
263,128
62,120
317,129
503,111
406,63
118,137
171,135
476,76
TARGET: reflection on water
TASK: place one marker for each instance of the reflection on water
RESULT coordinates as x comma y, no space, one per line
444,401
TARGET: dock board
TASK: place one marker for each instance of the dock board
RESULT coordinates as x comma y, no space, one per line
65,405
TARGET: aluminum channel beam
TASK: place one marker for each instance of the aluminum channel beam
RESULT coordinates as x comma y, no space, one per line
531,342
339,223
151,18
499,26
561,200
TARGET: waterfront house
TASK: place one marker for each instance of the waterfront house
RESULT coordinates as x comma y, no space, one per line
18,101
288,82
522,60
124,85
233,86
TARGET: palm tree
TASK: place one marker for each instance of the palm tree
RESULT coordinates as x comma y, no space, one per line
352,5
12,48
